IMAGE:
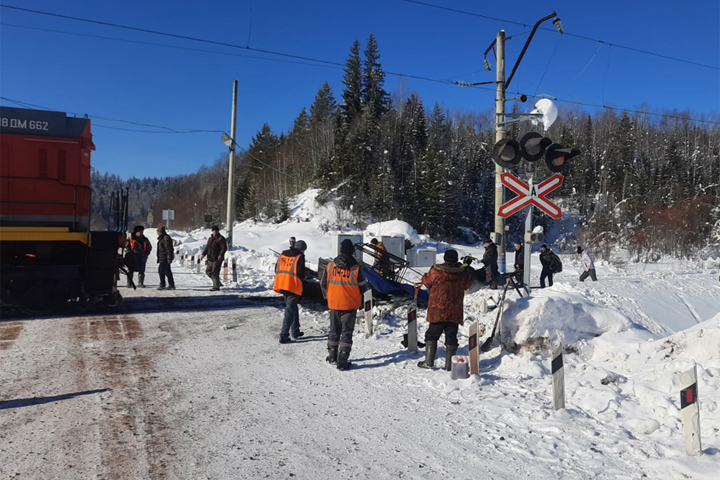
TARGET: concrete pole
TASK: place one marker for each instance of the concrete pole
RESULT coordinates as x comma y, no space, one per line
231,174
527,247
500,135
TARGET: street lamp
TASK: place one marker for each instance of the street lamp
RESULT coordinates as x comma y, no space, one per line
500,122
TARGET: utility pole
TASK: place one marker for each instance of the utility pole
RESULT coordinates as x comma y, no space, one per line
500,135
231,173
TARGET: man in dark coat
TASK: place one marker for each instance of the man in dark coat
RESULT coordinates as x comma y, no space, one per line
547,259
343,284
519,259
165,256
215,251
489,260
447,283
138,249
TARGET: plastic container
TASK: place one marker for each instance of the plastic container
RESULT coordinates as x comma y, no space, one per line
460,367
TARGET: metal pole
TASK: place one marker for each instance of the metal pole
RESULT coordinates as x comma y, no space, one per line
527,247
500,135
231,173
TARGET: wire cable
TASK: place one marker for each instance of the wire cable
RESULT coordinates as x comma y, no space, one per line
633,49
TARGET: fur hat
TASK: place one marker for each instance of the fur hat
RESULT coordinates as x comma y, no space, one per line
488,241
161,229
451,256
579,250
215,228
543,246
374,241
301,245
138,228
347,246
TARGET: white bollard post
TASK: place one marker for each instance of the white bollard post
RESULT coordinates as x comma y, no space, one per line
558,374
474,349
690,411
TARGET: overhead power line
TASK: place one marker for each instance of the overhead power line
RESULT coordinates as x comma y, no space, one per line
513,22
305,58
162,128
214,42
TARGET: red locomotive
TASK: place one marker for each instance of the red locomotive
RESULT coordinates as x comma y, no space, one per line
48,254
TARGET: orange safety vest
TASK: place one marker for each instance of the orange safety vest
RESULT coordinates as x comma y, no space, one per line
343,289
286,276
133,242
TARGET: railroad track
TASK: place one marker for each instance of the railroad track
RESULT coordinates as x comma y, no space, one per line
137,305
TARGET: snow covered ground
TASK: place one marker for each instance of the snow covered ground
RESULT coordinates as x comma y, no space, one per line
195,389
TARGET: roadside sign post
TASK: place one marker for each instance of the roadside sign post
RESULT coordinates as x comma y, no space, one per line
168,215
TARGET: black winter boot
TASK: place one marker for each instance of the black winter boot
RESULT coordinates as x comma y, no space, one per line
130,280
450,350
141,280
216,285
332,355
342,360
430,350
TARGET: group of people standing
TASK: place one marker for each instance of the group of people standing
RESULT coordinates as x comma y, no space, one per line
137,251
342,283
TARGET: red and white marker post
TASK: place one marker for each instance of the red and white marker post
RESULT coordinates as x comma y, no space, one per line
690,411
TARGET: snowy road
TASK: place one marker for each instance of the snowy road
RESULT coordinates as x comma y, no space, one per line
193,384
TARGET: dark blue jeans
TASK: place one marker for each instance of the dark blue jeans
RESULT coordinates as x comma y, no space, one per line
291,321
546,273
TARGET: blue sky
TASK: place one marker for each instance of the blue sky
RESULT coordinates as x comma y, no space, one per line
659,55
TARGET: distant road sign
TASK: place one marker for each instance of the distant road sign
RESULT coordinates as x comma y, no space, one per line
150,219
530,195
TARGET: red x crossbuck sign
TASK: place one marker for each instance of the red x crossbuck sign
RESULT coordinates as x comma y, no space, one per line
530,195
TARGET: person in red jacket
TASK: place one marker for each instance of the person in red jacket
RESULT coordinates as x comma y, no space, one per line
343,284
289,276
447,283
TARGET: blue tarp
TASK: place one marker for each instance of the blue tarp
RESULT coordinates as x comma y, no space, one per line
384,286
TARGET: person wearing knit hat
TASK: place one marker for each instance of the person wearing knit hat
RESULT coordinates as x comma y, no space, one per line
346,246
289,281
165,256
587,264
547,260
490,261
137,250
447,283
343,285
450,256
291,242
215,251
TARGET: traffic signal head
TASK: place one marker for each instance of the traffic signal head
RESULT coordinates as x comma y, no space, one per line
534,237
506,153
557,156
533,145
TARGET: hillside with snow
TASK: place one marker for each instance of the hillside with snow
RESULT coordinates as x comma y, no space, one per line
236,404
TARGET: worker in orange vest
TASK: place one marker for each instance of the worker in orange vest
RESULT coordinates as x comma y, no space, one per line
289,276
343,284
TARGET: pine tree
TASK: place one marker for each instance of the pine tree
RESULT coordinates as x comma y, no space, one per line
374,97
353,82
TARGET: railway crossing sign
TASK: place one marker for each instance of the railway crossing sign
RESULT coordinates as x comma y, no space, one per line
530,195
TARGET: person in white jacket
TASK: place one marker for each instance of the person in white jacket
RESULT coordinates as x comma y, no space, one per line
588,265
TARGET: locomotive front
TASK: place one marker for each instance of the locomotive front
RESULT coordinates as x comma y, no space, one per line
48,254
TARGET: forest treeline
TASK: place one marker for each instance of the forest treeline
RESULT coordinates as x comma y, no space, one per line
648,182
